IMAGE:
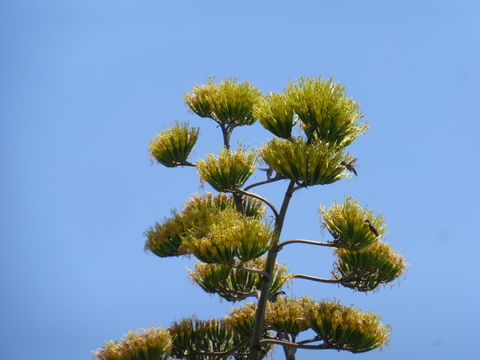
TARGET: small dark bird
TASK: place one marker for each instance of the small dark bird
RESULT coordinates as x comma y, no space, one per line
275,296
269,172
371,227
350,166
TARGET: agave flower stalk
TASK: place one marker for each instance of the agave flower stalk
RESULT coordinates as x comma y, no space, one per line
229,234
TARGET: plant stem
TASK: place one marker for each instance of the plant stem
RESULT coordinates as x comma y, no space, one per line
226,136
302,241
297,345
254,271
262,199
314,278
266,282
268,181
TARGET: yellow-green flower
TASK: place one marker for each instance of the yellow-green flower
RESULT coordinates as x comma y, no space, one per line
229,103
150,344
231,283
275,113
346,328
171,147
326,113
191,337
366,269
165,239
232,236
306,163
288,315
348,224
228,171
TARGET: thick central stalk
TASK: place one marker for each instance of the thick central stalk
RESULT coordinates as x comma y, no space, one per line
267,281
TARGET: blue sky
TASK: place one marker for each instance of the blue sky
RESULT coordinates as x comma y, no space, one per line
84,85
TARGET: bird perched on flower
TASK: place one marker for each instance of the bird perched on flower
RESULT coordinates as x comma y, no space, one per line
371,227
350,166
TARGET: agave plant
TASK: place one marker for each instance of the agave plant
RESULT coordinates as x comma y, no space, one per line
236,234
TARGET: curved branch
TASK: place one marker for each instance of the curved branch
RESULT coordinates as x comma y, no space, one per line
263,182
255,271
300,186
298,345
243,295
316,338
314,278
302,241
187,163
258,197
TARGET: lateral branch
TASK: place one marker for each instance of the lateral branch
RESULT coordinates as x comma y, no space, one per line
303,241
262,199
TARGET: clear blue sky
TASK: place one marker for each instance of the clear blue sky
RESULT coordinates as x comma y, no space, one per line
85,84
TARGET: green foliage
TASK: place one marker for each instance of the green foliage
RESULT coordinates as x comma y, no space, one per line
308,164
150,344
326,113
233,284
346,222
171,147
275,113
228,171
231,236
229,103
366,269
345,328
